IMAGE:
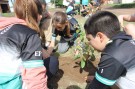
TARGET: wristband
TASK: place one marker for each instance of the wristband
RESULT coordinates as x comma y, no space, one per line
54,35
53,38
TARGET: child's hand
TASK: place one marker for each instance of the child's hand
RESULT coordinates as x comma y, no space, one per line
45,54
47,43
89,78
76,52
70,35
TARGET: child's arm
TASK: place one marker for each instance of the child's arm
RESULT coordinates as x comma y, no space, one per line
109,70
130,30
45,53
33,69
50,41
68,30
34,77
129,18
52,44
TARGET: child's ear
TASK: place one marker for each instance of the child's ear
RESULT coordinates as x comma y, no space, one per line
101,36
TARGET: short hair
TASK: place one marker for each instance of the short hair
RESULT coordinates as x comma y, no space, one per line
102,21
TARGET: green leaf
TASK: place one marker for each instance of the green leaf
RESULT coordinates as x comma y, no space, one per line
76,57
82,63
86,56
78,30
81,38
78,47
93,57
92,50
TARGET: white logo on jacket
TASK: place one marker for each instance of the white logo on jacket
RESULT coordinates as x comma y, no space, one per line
133,42
38,53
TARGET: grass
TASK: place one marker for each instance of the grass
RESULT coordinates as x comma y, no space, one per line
127,5
7,14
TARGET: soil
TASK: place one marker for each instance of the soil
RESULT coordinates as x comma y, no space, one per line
70,76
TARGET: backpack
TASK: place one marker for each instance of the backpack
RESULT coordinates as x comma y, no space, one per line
74,28
74,25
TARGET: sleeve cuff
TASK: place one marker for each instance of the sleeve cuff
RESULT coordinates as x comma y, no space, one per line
104,80
33,64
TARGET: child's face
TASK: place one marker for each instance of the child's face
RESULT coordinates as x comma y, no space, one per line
98,42
60,27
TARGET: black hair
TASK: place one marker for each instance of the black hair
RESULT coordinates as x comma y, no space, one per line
39,6
103,21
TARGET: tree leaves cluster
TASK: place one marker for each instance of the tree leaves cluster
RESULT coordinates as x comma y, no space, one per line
83,51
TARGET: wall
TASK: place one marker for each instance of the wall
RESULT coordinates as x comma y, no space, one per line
127,1
123,1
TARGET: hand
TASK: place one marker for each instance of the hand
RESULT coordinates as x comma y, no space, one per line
45,54
76,52
47,43
70,35
89,78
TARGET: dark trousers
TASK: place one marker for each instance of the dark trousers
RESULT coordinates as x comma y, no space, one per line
71,13
52,66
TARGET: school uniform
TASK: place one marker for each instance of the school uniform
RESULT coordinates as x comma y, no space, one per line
117,64
66,41
21,58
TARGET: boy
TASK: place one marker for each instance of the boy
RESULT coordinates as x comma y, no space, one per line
117,63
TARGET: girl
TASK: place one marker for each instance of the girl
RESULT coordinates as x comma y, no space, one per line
21,63
66,28
45,23
50,61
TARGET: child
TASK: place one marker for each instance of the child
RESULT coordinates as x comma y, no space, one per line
77,6
95,2
50,61
84,4
21,63
117,63
70,8
87,9
45,25
66,28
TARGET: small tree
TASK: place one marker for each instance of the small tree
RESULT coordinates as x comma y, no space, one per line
83,50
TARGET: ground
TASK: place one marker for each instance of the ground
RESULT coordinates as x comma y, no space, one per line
70,76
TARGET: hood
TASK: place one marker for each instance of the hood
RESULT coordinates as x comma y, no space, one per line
6,21
122,35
